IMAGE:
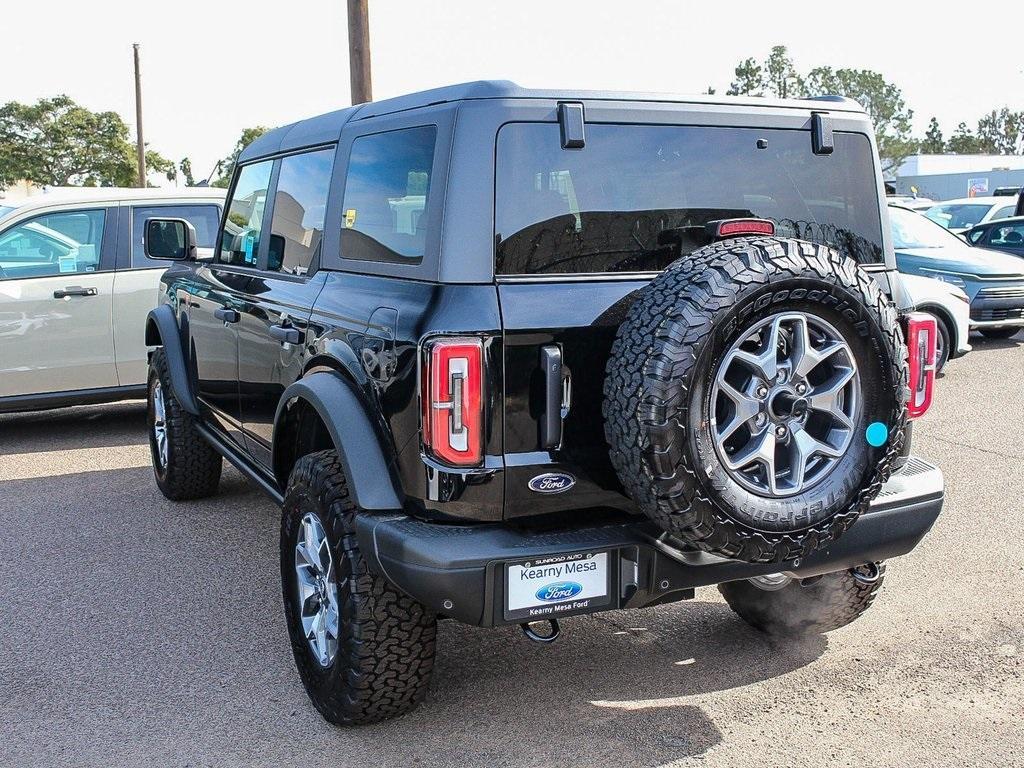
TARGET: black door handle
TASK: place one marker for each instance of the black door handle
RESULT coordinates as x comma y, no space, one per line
74,290
227,315
286,334
557,389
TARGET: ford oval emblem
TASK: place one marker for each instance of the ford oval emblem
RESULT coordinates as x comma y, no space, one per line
552,482
559,590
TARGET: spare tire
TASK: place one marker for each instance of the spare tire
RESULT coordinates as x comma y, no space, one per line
738,394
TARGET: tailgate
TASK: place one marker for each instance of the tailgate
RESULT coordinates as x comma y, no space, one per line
578,321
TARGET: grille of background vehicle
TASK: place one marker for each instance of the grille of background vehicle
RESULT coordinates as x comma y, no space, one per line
1002,292
998,314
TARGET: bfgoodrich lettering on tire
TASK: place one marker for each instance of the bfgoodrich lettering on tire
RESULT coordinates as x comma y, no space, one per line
738,391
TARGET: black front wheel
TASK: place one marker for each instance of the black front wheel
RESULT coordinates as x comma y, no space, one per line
185,465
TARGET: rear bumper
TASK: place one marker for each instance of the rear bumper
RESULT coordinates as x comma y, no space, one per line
459,570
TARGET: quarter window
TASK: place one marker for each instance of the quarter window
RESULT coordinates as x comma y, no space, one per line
297,227
385,214
240,241
61,243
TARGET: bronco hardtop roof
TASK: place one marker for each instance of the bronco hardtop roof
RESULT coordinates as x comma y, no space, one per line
326,128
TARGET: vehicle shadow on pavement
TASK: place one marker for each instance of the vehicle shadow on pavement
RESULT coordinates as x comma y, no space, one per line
167,622
73,428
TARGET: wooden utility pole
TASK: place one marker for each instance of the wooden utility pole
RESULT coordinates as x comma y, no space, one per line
359,51
140,145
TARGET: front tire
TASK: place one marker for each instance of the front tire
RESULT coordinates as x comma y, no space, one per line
364,651
185,465
795,608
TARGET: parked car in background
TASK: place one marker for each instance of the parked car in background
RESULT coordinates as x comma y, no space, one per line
993,281
75,286
960,215
1002,235
950,306
920,204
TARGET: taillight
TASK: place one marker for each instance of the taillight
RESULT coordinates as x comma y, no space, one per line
452,394
921,342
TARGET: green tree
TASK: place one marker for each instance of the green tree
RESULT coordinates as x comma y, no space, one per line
934,143
1000,133
882,100
185,166
226,167
781,76
57,142
964,142
749,79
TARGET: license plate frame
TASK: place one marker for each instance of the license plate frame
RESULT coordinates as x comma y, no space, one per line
590,570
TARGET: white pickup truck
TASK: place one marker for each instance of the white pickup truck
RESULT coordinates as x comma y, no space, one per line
75,288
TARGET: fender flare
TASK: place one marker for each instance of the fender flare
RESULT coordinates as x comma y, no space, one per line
162,330
371,477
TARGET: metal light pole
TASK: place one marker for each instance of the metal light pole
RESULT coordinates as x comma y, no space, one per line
140,147
359,51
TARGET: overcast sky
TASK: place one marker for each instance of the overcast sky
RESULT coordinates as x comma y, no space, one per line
213,67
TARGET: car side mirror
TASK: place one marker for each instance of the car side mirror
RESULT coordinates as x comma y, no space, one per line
170,239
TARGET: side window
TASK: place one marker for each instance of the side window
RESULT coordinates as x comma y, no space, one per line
385,213
1009,236
300,201
977,235
67,242
240,242
205,218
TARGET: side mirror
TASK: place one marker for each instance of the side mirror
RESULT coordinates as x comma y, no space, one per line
170,239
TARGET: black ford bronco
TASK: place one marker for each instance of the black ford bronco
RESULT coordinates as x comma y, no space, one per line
506,356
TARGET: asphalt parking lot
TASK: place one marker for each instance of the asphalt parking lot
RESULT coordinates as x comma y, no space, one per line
136,631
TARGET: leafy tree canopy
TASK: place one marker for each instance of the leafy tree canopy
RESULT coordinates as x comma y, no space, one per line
57,142
226,167
777,76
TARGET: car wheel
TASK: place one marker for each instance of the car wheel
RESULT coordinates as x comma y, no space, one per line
364,651
788,607
738,392
941,343
185,465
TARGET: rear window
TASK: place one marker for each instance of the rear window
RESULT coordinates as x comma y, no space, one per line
636,198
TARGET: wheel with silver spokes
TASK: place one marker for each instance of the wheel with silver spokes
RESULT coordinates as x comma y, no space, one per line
785,400
364,650
159,426
739,395
185,465
317,589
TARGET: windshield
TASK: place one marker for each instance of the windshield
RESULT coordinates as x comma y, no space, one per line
638,197
912,230
957,215
4,210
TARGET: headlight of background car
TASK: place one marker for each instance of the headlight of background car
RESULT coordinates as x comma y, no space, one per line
947,277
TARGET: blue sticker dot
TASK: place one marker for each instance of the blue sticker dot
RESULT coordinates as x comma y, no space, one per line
876,433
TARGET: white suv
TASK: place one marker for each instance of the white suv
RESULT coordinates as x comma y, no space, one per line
75,288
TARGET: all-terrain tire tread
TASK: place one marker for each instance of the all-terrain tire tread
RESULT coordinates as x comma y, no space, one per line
836,600
386,639
194,467
657,347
